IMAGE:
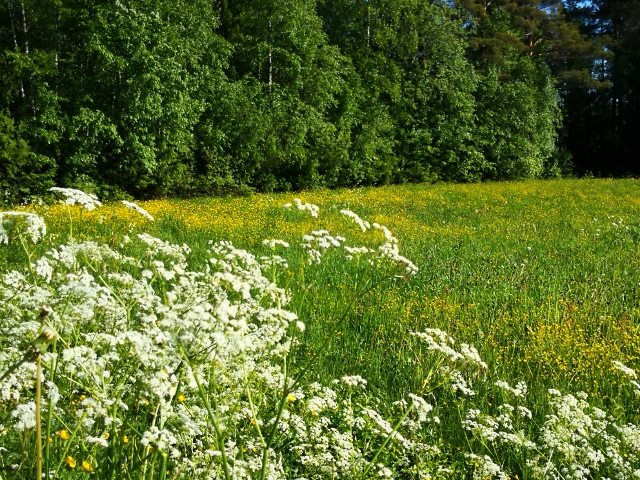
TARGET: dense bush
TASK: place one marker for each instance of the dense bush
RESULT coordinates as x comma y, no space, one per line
23,174
160,98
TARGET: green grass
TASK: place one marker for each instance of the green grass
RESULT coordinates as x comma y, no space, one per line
536,274
542,277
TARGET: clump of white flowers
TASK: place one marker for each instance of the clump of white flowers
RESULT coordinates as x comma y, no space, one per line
74,196
363,224
319,241
391,251
137,208
575,441
188,365
630,373
304,206
35,229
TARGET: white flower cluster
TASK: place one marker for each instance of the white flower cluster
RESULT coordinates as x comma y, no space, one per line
193,358
275,242
317,242
363,224
73,196
137,208
502,429
441,342
36,229
320,240
576,441
390,251
520,390
629,372
485,468
300,205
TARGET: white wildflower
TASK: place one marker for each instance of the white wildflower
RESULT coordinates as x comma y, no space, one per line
25,415
101,441
274,242
458,383
354,381
629,372
73,196
36,228
137,208
486,468
524,412
520,390
300,205
363,224
43,269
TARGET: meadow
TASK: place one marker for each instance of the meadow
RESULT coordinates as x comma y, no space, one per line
541,277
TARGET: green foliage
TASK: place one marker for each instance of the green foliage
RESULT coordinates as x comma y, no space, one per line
23,174
155,98
437,113
517,117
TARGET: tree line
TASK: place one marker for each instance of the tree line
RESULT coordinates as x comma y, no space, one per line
151,97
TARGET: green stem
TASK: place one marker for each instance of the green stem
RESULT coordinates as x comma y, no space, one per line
283,402
212,417
47,452
254,415
29,255
69,442
386,441
70,222
147,449
163,472
115,441
38,419
265,453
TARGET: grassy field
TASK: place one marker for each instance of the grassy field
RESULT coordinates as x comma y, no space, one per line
541,277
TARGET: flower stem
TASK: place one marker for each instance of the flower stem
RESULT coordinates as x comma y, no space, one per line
38,419
212,417
386,441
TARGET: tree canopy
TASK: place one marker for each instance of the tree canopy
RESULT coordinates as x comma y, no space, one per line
152,97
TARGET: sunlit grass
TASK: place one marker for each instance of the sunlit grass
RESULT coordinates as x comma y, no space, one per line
542,277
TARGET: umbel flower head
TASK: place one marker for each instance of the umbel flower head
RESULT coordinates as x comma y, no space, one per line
137,208
73,196
35,230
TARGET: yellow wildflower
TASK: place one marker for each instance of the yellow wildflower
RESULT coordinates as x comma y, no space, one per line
86,466
71,462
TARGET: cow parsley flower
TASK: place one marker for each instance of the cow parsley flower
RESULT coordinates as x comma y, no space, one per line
363,224
25,415
73,196
274,242
36,228
486,468
137,208
629,372
300,205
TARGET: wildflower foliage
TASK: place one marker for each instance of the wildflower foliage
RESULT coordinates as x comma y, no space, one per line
158,364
